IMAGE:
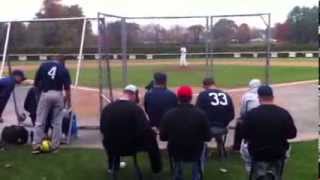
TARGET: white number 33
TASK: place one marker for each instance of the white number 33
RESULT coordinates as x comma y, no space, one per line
218,99
52,72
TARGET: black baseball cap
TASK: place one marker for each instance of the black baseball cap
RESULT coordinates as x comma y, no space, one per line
18,72
160,78
265,91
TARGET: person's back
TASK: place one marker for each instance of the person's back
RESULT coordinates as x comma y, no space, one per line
6,85
267,129
218,106
126,130
249,101
123,125
186,129
52,75
157,102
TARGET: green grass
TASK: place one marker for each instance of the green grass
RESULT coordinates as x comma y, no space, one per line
227,76
85,164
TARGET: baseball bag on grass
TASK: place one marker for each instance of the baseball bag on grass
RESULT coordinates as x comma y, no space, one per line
70,126
15,135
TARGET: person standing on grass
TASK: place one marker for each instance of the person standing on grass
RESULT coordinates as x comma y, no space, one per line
267,129
158,100
219,108
126,131
52,78
186,129
183,57
7,86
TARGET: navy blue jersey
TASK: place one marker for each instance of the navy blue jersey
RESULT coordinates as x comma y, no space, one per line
52,75
158,101
6,86
218,106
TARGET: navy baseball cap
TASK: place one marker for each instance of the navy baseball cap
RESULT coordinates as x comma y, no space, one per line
160,77
20,73
265,91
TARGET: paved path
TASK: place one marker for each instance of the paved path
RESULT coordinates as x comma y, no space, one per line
300,99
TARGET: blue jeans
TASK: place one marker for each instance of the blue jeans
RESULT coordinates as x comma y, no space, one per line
197,167
178,171
261,169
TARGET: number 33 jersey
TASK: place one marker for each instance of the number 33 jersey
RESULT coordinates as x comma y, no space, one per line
53,75
218,106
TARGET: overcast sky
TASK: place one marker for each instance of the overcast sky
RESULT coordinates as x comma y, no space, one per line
26,9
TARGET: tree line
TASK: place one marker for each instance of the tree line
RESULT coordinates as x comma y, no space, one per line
299,28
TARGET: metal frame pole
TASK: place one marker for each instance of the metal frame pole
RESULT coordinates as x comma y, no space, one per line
124,51
268,55
80,56
100,63
207,46
5,49
211,49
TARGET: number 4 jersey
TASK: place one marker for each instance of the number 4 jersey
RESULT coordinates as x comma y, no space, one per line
52,75
218,106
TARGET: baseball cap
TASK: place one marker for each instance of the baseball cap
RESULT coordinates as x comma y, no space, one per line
131,88
20,73
265,91
184,91
254,83
160,77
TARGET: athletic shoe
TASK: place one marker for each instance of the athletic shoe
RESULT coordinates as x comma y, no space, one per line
54,150
36,150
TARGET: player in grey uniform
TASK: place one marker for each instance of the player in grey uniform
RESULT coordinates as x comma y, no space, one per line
51,79
249,101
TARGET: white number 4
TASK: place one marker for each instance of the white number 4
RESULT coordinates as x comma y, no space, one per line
218,99
52,72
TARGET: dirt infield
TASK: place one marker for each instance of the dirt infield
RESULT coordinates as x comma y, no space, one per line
299,98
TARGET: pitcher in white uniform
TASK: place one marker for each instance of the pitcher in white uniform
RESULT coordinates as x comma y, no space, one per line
183,56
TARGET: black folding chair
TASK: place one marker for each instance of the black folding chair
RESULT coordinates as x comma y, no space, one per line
221,148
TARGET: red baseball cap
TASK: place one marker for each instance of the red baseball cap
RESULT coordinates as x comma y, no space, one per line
184,91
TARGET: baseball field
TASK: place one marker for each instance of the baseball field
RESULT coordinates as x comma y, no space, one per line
228,73
18,163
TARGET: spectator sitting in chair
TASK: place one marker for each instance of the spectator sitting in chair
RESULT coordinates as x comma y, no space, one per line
267,129
249,101
186,129
158,100
219,108
126,131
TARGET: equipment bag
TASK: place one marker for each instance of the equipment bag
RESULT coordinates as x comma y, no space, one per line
15,135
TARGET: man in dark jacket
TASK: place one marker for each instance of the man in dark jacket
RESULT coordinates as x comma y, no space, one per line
158,100
7,85
267,129
126,130
186,129
219,108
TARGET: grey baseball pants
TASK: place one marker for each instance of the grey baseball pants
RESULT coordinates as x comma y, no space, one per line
51,100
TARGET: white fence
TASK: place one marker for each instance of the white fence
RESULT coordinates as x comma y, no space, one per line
235,55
